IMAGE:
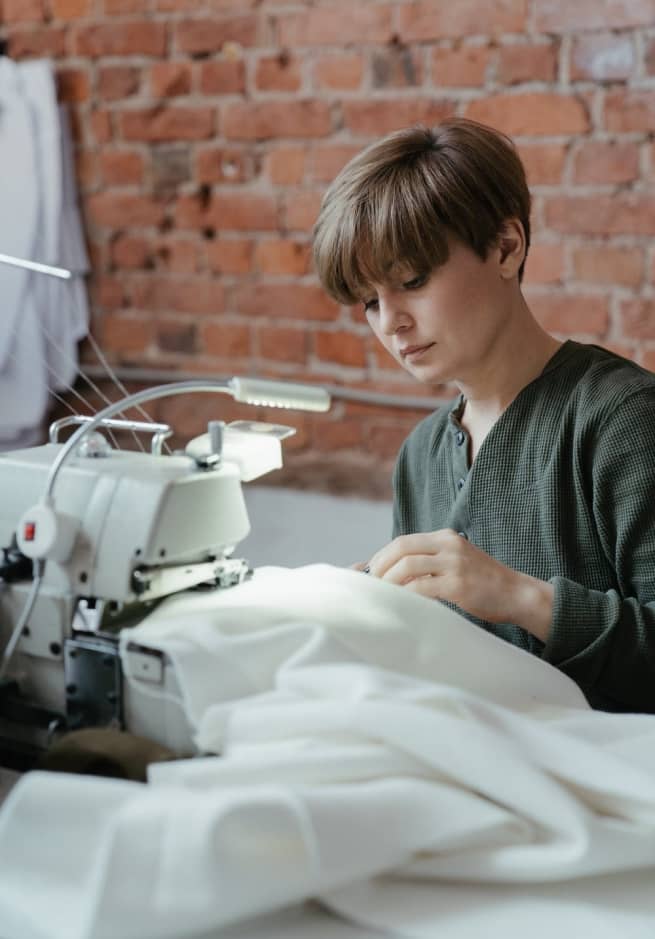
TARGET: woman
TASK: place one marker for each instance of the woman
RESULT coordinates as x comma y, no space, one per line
526,502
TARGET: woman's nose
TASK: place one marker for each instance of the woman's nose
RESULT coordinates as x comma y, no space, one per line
392,316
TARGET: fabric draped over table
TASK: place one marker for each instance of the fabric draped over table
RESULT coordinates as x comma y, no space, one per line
379,752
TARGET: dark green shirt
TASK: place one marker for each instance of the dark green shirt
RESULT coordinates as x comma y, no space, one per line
563,489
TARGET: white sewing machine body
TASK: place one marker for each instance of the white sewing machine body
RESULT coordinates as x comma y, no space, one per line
147,526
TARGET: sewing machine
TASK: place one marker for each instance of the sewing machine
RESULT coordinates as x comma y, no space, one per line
93,537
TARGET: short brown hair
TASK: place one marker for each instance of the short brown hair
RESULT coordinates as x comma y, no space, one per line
397,202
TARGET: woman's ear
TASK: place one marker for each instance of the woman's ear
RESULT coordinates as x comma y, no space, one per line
512,248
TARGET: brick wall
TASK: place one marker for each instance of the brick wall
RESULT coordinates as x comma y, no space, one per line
207,132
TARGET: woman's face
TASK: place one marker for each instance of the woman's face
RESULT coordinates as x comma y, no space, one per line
440,328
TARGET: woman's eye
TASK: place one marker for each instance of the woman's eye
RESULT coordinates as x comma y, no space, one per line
370,305
415,282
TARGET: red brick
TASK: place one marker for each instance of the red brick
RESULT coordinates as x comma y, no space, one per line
118,81
230,257
572,313
612,162
223,77
101,127
118,210
622,213
158,292
168,123
178,6
601,264
191,212
527,62
70,9
73,85
178,255
545,263
380,116
176,337
604,57
232,211
427,20
531,114
228,6
343,72
630,110
86,170
342,347
123,332
131,253
261,120
97,259
228,210
108,292
286,301
23,11
638,318
465,66
337,24
121,167
136,37
45,41
327,161
278,73
283,344
168,79
301,210
544,163
119,7
285,166
563,16
330,436
385,439
226,340
222,165
396,66
204,35
281,256
649,57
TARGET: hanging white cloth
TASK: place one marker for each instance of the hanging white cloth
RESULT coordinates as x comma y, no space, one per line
41,318
379,752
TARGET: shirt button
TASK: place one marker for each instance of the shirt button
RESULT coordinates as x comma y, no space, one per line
461,483
460,437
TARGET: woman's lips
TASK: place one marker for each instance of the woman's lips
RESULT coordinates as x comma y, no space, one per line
412,353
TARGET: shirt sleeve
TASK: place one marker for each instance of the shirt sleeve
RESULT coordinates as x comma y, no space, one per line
605,641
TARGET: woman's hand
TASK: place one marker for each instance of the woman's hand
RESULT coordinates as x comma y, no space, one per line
445,566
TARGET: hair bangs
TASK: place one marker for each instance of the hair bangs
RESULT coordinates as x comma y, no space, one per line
391,228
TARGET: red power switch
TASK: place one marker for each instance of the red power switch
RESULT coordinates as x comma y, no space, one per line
29,531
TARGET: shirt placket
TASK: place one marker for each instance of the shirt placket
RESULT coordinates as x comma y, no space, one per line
460,518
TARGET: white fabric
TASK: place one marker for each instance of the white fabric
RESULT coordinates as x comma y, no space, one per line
42,318
380,753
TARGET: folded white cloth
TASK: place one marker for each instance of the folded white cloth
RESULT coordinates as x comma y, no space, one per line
379,752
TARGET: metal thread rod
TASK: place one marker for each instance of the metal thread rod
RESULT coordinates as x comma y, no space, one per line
36,266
